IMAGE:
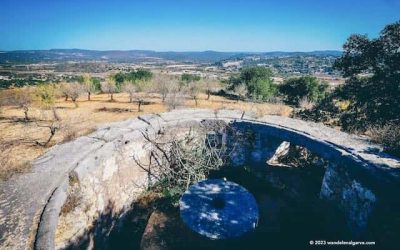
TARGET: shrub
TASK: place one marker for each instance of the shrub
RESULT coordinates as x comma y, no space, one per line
258,81
46,95
74,197
190,78
241,91
388,136
305,103
178,161
305,87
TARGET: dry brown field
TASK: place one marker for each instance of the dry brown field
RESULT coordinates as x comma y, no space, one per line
20,140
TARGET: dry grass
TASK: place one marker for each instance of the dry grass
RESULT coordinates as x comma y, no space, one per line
258,109
388,136
17,138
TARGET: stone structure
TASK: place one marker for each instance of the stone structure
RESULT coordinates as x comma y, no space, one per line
99,169
219,209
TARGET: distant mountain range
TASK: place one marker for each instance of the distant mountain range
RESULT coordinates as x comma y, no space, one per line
135,56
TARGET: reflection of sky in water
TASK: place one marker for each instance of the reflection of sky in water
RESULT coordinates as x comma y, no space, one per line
237,214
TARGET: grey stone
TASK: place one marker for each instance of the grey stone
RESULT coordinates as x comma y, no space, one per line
219,209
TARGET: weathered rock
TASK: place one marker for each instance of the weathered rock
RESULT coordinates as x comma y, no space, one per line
281,151
154,232
356,201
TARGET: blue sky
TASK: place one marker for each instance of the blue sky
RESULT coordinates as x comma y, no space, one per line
185,25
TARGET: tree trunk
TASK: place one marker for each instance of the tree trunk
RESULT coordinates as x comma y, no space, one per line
52,133
55,114
195,101
88,96
139,105
130,98
66,98
112,97
208,94
26,113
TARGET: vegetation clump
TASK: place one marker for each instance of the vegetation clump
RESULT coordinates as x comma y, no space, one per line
387,135
176,162
258,82
296,90
371,91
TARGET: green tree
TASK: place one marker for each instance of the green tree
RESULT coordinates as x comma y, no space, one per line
190,78
258,81
88,85
142,74
296,89
119,78
372,67
46,95
372,88
97,83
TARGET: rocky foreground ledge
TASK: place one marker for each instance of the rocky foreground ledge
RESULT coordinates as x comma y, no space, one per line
30,203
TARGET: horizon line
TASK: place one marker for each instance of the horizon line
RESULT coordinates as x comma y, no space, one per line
177,51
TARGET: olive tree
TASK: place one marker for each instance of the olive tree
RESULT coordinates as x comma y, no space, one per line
64,90
210,85
22,98
130,88
163,85
175,97
142,87
88,85
110,87
194,90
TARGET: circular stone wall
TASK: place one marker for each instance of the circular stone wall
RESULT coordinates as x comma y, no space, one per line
100,171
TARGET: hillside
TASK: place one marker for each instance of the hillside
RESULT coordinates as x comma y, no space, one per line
135,56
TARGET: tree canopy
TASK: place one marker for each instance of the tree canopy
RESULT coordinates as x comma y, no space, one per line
190,78
372,87
136,75
258,81
373,70
295,89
